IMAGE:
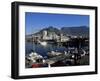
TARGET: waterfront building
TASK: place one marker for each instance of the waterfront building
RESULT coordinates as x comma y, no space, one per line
64,38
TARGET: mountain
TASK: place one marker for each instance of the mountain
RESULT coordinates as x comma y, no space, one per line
49,29
76,31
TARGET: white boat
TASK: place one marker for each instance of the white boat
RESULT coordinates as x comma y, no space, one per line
36,58
54,53
43,43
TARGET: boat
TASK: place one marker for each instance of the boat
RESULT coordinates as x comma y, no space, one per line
35,60
43,43
54,53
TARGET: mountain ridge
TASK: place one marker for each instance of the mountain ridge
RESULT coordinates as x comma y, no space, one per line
73,31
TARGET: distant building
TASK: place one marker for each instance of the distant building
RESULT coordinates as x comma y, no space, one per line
53,36
48,36
64,38
44,34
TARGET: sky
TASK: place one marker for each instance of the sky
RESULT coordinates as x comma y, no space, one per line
37,21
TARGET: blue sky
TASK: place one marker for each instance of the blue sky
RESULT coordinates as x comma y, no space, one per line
37,21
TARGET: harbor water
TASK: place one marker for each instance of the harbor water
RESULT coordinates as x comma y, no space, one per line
43,50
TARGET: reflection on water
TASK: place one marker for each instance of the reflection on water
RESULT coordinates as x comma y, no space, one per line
42,50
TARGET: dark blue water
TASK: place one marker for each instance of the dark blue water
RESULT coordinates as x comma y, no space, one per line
43,50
